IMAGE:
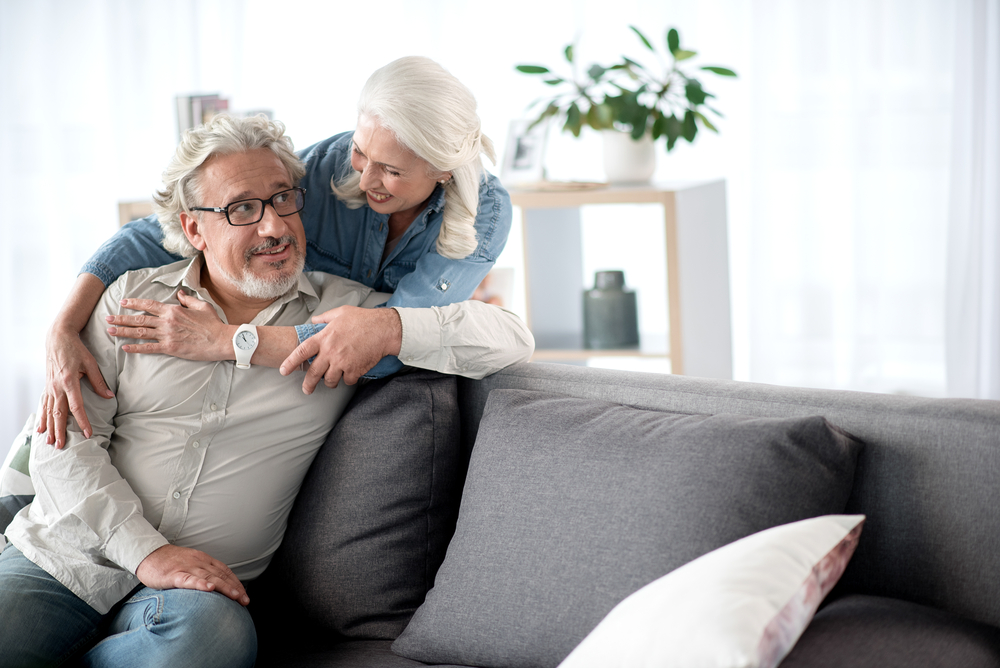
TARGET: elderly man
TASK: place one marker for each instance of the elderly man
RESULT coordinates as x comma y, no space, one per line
140,536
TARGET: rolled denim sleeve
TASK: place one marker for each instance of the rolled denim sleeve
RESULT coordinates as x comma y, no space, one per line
135,245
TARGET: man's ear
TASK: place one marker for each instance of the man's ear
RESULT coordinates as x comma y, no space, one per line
192,230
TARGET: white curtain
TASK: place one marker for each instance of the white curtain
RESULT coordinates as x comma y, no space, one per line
835,147
973,307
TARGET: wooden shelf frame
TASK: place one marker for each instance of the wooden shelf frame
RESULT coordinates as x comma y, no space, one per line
697,271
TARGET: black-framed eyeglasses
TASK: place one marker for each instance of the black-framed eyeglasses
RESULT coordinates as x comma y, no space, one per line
251,211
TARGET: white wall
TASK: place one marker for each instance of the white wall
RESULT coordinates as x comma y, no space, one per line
834,147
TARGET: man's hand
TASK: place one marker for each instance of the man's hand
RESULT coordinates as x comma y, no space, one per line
67,360
191,331
174,567
354,341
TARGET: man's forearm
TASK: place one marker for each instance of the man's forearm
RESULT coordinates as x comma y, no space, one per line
274,345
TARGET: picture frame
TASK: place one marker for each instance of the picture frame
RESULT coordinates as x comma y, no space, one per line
524,157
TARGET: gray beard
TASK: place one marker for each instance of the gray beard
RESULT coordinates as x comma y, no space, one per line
254,286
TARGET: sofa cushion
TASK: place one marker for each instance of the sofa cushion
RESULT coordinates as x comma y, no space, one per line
570,505
373,518
877,632
743,605
16,489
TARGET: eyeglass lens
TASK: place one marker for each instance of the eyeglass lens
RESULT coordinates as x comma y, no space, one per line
250,211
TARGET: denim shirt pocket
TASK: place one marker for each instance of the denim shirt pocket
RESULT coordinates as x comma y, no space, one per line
318,259
392,274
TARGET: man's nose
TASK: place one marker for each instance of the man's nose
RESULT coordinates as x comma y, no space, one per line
271,225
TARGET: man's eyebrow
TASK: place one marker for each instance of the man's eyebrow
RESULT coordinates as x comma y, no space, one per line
276,187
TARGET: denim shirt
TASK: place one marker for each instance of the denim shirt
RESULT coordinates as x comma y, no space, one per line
349,242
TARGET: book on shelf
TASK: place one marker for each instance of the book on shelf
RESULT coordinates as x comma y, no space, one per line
194,110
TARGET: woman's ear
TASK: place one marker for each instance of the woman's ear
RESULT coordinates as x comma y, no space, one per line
444,178
192,230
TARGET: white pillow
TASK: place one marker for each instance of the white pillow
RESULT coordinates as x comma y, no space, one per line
743,605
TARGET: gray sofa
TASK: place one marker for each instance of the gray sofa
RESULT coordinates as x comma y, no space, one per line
572,501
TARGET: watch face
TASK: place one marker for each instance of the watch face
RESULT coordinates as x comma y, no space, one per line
246,340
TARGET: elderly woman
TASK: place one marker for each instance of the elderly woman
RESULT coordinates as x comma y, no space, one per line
402,204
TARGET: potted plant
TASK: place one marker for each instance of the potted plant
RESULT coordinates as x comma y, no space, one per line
631,104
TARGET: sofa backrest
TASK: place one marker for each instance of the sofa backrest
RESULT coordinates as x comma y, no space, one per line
927,478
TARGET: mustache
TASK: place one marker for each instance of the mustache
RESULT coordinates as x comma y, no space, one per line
269,243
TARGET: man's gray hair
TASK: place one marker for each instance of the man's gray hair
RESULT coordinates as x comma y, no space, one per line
433,114
222,135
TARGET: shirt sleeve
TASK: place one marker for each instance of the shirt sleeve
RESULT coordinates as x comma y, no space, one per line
81,495
135,245
471,338
439,281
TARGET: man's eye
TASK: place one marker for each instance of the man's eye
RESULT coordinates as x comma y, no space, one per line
281,198
241,207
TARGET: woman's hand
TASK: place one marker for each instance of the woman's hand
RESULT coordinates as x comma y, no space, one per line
191,331
353,341
67,360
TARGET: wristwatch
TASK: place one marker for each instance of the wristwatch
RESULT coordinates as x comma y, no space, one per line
244,343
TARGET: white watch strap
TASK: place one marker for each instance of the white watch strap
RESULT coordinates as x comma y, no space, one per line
244,344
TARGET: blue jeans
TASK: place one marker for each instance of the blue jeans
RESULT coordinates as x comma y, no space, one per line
42,623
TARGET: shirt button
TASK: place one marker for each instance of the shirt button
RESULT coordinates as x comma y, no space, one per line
196,445
443,286
177,495
215,407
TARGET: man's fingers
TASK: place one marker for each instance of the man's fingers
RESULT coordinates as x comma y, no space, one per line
147,305
314,374
302,353
332,376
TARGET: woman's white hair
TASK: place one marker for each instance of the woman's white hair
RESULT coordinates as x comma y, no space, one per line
433,114
222,135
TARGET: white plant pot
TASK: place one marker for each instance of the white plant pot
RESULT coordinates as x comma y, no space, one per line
627,160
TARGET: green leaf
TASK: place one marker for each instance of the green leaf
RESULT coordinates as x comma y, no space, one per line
574,120
673,41
643,38
681,54
555,82
600,117
708,124
568,52
715,111
694,93
659,127
672,128
631,63
720,70
596,72
532,69
639,123
690,126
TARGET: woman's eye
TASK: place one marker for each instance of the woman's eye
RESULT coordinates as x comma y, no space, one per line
391,173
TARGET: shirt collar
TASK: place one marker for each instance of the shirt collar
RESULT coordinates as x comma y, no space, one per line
188,275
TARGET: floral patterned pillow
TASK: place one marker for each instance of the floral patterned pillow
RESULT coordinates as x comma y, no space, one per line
745,604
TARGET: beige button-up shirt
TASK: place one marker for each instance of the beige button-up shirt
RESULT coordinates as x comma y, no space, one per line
204,455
